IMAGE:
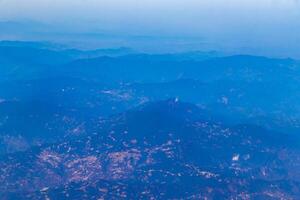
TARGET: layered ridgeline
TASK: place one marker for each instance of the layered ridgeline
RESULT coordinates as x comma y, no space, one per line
47,91
162,150
80,124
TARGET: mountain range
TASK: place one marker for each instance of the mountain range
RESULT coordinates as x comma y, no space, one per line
119,124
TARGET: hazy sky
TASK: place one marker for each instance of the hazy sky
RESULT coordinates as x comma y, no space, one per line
269,27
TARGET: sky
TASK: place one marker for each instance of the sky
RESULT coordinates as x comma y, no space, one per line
267,27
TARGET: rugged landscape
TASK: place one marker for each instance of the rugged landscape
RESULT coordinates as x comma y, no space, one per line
119,124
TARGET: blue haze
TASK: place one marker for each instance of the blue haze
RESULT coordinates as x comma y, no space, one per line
266,27
128,99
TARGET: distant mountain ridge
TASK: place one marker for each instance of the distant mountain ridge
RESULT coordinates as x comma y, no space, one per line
118,124
235,88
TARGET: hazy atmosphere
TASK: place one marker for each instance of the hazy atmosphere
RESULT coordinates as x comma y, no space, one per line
149,99
265,27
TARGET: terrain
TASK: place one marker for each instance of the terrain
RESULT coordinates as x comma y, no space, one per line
119,124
